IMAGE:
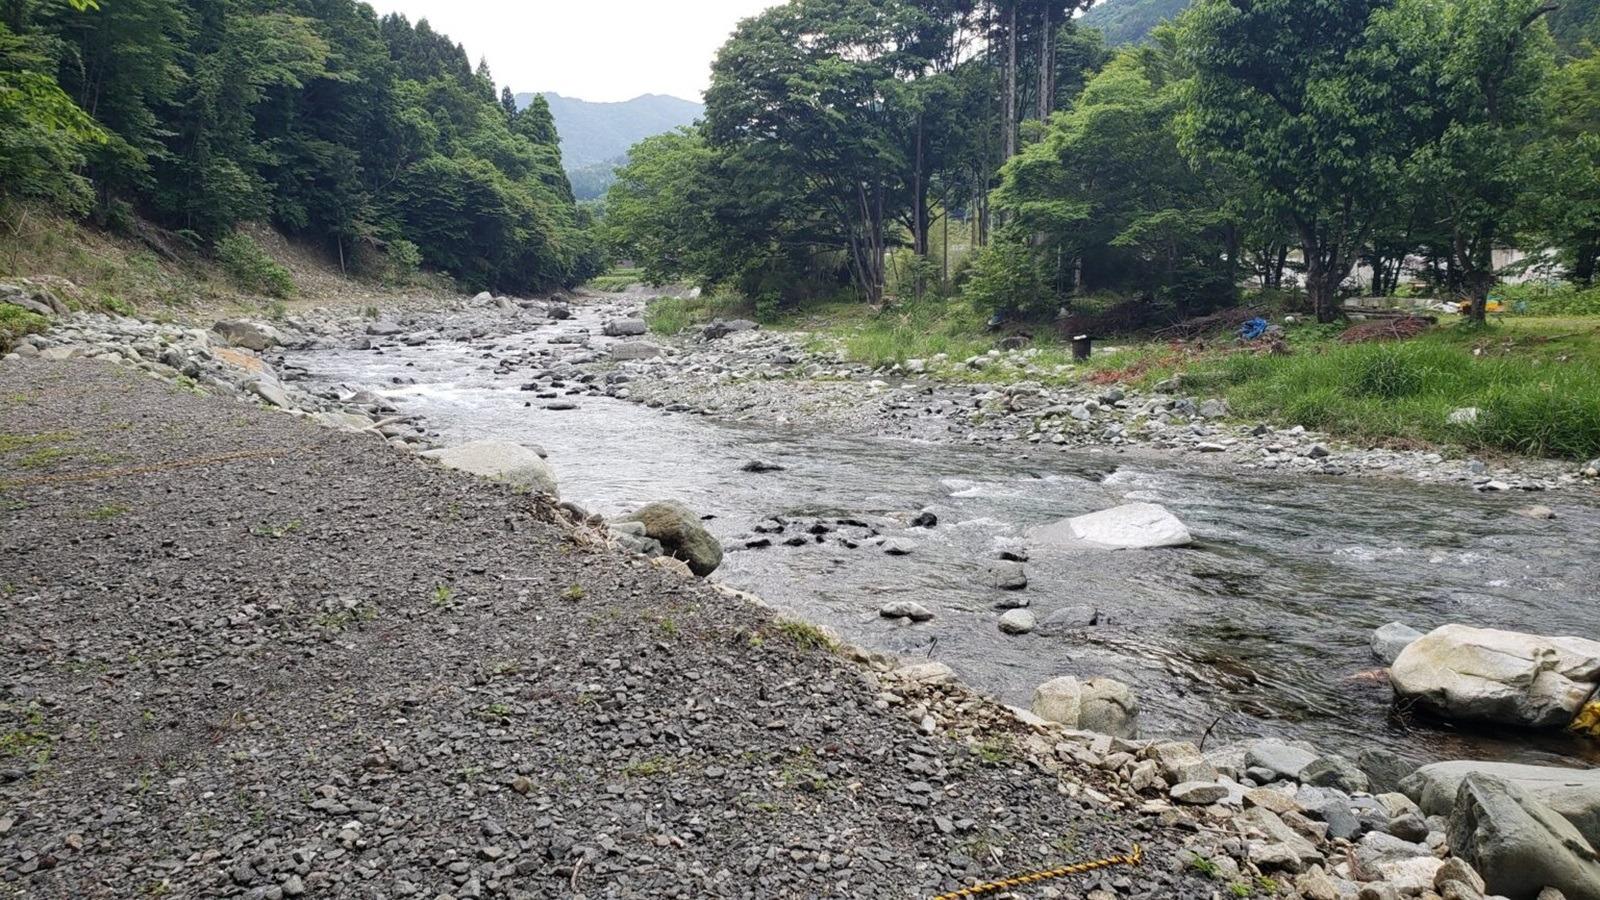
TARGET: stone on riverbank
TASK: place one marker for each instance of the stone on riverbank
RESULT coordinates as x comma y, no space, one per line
634,350
680,533
1504,677
499,461
624,328
1133,526
720,329
1101,705
1518,843
1574,793
249,335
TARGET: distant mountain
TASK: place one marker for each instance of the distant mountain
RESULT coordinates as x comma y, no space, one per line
598,132
1130,21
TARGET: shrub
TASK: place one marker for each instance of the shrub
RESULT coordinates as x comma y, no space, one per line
1006,277
251,268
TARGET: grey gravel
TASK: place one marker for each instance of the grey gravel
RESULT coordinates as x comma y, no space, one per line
325,669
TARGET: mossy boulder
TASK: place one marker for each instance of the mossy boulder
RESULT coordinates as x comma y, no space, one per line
680,533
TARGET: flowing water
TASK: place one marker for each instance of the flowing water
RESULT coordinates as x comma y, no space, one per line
1261,628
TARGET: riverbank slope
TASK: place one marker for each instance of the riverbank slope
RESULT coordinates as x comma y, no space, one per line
254,657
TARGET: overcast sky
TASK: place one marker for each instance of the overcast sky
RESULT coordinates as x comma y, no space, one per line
591,49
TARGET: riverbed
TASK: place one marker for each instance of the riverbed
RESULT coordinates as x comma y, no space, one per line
1261,628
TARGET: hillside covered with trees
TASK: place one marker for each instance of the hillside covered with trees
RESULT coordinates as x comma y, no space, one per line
1130,21
845,139
374,138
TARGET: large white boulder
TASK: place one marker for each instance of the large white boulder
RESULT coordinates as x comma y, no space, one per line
500,461
1133,526
1504,677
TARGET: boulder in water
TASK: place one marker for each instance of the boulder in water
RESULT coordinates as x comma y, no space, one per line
1503,677
680,533
1388,640
1133,526
905,609
500,461
1518,843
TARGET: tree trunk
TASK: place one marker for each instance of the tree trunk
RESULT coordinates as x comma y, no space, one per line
1322,282
1046,101
1583,267
1009,114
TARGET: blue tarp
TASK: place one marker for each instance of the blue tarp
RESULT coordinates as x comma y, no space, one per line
1253,329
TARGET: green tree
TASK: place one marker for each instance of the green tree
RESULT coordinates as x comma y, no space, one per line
1284,95
1108,201
1566,201
43,134
1470,73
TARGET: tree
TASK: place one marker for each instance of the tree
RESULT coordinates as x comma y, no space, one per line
1107,200
1566,200
1470,73
43,134
1284,95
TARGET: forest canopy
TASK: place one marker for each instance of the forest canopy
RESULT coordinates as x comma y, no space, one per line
1264,142
354,132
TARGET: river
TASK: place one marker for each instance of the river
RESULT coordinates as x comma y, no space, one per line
1261,628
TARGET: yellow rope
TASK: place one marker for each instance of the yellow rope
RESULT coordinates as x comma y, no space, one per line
1005,884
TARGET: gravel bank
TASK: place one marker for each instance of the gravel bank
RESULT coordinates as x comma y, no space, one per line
265,659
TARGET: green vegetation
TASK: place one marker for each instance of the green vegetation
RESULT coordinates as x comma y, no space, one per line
17,323
617,280
1204,865
1239,142
250,266
807,636
362,135
276,530
1535,384
1546,299
671,315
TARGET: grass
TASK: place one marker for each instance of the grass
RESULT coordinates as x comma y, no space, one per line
807,636
1534,379
671,315
17,323
617,280
1535,382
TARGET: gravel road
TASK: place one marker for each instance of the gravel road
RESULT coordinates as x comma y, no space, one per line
245,656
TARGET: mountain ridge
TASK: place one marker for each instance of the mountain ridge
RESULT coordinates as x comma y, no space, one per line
597,132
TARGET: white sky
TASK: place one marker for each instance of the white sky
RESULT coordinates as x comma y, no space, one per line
590,49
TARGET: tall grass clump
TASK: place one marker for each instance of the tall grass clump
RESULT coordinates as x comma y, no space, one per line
918,330
1526,403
